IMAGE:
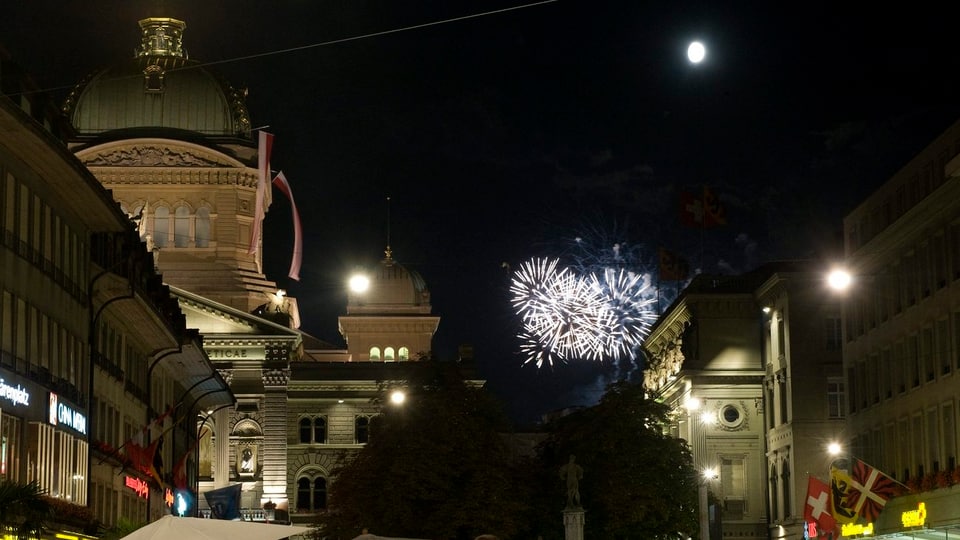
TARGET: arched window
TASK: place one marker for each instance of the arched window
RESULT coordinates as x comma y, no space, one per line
404,354
785,487
320,430
181,227
374,353
161,226
313,430
203,227
774,499
388,355
305,430
311,493
362,429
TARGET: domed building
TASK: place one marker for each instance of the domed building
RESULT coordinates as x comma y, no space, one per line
390,319
172,141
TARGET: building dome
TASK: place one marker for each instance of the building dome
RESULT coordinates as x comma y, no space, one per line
158,88
393,289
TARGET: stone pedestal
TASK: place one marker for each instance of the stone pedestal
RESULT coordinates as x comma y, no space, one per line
573,524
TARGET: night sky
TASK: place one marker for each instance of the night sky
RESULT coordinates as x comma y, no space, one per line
504,136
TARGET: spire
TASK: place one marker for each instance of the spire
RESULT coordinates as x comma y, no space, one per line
161,36
388,252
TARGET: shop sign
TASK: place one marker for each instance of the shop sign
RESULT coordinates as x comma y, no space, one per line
915,518
17,395
854,529
137,485
63,414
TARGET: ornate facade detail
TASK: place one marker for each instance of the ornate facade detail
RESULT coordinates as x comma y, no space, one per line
150,156
276,377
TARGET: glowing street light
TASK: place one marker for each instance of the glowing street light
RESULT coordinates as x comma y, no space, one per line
359,283
839,279
397,397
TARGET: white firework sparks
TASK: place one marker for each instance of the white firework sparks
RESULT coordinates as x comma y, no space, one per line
566,316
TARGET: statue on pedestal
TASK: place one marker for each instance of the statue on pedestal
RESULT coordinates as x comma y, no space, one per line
572,473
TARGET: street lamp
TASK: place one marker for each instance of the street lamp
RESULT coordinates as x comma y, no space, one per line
397,397
839,279
709,475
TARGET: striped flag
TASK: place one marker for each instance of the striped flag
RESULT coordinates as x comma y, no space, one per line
263,156
869,491
281,182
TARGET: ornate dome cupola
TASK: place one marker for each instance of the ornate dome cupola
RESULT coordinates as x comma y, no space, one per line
159,88
391,319
393,289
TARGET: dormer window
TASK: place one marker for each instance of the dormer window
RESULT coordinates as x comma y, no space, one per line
153,79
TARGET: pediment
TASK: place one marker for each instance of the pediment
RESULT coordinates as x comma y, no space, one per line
154,153
212,318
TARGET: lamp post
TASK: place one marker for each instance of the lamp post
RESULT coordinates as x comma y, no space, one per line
709,475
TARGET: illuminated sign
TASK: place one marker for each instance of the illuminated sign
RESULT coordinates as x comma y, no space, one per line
915,518
63,414
168,498
137,485
17,395
809,530
853,529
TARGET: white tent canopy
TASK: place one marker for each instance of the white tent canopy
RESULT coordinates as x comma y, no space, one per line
171,527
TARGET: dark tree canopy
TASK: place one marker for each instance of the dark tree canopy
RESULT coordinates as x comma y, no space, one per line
638,482
435,467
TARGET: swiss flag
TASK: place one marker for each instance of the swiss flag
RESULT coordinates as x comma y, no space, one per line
817,507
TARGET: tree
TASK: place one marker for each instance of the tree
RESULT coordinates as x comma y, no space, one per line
23,509
434,467
638,481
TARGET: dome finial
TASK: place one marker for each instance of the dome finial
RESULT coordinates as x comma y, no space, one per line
388,252
161,36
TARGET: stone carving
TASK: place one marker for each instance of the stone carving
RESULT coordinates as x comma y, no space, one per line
151,156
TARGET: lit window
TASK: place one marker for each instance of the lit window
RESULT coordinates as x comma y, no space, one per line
404,353
374,353
388,354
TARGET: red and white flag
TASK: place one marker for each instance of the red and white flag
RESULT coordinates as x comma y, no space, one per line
263,153
817,507
281,182
869,490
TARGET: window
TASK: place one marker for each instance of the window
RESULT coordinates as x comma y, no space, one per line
388,354
833,332
404,353
785,486
181,227
374,353
362,429
320,430
305,430
161,225
203,228
835,397
311,493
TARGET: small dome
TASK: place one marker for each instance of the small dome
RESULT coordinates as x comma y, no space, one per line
160,87
393,290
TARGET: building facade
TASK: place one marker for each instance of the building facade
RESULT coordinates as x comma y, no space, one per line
172,141
92,342
751,365
901,333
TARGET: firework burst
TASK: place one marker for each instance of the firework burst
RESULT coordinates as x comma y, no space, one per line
567,315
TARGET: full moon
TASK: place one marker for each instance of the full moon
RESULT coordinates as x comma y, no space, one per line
696,52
